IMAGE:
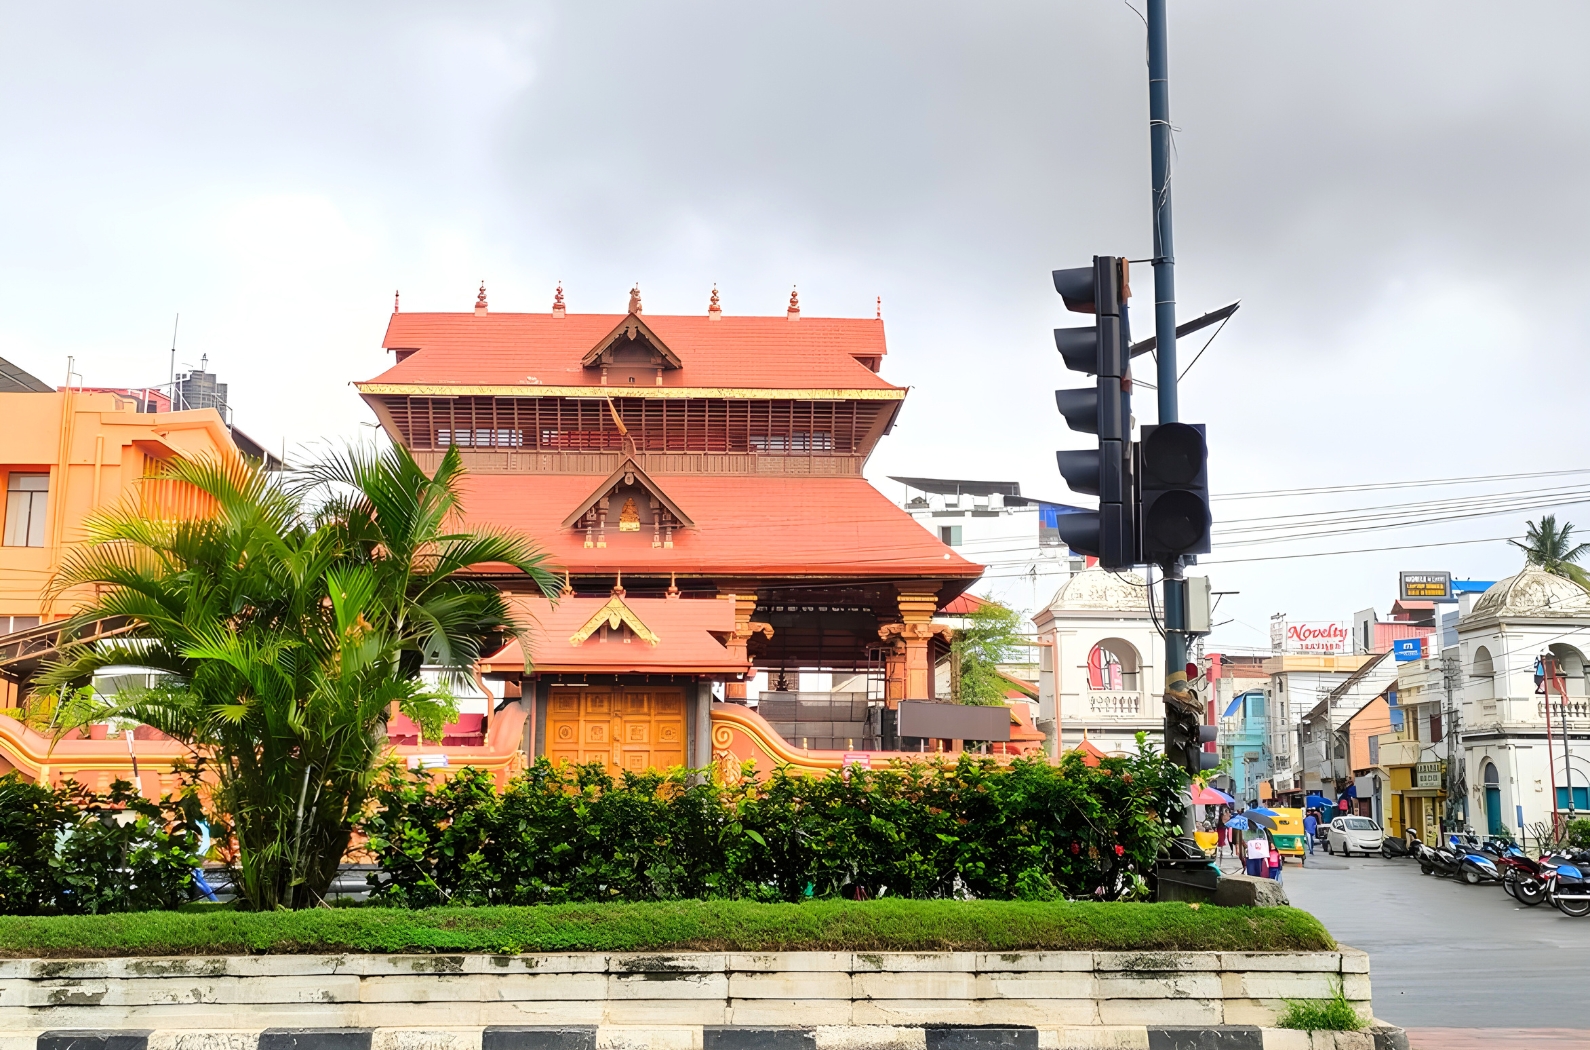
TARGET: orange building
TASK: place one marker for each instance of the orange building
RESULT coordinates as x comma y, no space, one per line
65,453
700,479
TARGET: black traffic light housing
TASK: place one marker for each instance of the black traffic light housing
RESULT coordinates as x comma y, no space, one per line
1105,409
1185,737
1173,492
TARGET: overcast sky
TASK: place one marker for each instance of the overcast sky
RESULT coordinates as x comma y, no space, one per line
1395,192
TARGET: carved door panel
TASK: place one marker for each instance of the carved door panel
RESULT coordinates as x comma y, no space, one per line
625,729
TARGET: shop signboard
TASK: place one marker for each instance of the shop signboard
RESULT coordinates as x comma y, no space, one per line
1425,586
1308,636
1427,775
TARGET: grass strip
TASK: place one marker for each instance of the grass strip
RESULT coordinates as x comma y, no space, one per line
826,925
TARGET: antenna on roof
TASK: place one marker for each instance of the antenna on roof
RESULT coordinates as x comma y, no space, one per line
171,387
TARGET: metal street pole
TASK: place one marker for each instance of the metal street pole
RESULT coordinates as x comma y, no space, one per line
1165,329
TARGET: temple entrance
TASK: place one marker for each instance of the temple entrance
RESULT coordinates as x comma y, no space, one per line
627,729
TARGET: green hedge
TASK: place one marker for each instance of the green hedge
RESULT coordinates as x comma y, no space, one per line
834,925
972,829
69,850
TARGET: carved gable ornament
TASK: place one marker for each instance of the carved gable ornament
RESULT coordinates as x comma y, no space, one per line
632,344
629,500
614,614
1104,591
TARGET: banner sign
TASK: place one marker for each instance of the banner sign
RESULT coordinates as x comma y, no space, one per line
1308,636
1406,649
1425,586
1427,775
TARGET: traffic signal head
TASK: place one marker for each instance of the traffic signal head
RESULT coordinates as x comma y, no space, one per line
1185,737
1173,484
1104,409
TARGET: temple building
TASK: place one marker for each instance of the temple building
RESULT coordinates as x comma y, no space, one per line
699,479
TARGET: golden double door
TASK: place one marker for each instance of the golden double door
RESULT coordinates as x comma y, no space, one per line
628,729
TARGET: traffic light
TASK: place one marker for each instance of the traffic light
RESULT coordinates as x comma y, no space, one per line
1104,409
1185,737
1173,490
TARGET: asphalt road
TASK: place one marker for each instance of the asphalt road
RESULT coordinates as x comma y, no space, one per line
1446,955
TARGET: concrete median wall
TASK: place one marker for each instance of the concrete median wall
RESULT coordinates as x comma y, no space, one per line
1047,990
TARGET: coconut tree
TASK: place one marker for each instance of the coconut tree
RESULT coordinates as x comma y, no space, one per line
291,618
1552,549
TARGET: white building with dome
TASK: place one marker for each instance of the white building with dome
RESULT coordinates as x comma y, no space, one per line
1509,761
1101,664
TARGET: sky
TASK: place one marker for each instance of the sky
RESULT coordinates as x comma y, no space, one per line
1394,193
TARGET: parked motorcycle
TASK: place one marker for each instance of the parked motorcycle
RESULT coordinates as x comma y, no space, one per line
1521,877
1568,889
1399,847
1439,860
1475,867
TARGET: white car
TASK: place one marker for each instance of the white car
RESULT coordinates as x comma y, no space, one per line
1348,835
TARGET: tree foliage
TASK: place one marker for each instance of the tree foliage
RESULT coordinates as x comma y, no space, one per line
1552,548
973,829
291,621
990,636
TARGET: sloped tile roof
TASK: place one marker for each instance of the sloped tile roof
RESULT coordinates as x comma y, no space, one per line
745,525
684,628
538,349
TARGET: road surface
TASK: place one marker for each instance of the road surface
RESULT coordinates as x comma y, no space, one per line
1444,955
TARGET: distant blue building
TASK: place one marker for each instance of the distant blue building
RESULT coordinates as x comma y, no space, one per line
1242,739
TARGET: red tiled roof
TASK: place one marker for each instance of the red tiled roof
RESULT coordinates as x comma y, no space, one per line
964,605
683,627
745,525
736,352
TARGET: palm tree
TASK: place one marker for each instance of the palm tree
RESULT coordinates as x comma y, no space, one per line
291,620
1552,549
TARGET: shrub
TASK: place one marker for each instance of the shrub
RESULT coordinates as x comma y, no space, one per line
68,850
1577,832
30,819
971,829
1335,1014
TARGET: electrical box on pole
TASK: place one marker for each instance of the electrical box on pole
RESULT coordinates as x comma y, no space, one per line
1104,409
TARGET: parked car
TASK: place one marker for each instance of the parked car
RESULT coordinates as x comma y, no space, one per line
1348,835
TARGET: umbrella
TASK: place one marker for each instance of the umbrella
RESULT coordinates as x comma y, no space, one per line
1263,812
1208,796
1318,802
1242,821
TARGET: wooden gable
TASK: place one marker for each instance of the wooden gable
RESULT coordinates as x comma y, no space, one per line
629,500
631,343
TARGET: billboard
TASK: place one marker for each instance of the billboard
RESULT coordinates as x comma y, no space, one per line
1425,586
1308,636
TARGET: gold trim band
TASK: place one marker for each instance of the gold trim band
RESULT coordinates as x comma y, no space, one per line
660,392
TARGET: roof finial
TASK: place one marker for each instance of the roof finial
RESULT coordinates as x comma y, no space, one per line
634,299
618,585
673,585
480,300
557,301
794,313
567,590
394,302
880,307
714,311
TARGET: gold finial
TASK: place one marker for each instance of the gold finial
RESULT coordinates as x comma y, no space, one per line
714,310
394,302
568,587
634,299
557,301
880,307
673,585
618,585
480,300
794,313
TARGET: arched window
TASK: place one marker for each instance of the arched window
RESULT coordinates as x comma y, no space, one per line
1484,674
1570,665
1492,779
1112,666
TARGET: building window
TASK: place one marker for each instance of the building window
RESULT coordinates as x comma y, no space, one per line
27,497
1581,798
950,534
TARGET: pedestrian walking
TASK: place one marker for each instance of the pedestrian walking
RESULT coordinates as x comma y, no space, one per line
1222,833
1275,858
1310,826
1258,852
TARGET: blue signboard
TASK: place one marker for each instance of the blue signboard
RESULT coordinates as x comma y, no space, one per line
1405,649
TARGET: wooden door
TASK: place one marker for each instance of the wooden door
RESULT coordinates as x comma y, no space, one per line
626,729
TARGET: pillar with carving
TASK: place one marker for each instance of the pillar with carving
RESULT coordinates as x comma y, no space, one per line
738,643
909,666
